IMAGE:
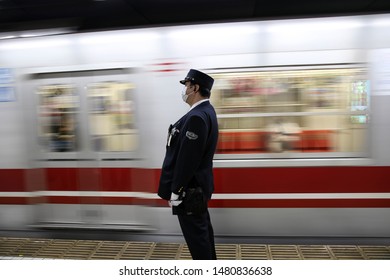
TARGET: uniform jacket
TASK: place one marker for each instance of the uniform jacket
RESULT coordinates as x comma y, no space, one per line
190,148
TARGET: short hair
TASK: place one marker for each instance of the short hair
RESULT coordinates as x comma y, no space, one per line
204,92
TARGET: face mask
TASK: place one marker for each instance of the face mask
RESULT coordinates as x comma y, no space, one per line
184,96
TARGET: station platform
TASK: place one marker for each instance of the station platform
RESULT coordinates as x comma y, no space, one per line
15,248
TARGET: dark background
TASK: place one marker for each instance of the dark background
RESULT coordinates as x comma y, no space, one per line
88,15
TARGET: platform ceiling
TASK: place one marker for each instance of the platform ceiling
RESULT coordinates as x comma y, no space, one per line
90,15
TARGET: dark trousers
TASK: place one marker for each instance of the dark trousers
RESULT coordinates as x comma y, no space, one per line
199,235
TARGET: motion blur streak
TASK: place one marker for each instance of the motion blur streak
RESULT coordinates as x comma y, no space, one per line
302,108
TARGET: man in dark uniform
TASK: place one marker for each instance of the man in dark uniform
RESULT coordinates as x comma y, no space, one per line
187,177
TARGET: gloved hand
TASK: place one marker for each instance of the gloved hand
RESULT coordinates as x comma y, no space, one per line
175,200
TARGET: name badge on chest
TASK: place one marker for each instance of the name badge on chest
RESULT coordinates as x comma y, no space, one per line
172,132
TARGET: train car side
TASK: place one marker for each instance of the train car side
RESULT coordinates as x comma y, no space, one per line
302,107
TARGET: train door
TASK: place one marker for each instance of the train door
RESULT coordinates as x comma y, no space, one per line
55,146
113,143
84,140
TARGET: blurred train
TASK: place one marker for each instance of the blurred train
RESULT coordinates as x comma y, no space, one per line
303,110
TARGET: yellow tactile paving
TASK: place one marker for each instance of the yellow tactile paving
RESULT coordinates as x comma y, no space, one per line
17,248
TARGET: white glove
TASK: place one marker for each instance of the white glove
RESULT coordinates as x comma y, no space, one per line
174,201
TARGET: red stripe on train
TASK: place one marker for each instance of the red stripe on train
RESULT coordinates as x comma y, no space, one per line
227,180
102,179
361,179
14,200
102,200
214,203
233,203
301,203
303,179
12,180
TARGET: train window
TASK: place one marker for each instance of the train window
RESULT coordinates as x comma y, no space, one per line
112,117
296,111
58,109
7,93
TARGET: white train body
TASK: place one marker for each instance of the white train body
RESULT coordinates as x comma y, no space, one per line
113,94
